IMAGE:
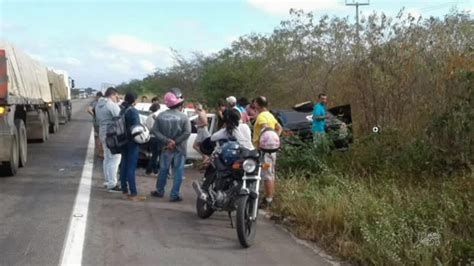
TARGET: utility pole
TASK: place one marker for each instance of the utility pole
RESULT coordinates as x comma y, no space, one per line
356,3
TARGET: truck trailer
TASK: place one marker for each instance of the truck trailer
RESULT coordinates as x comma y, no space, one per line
33,102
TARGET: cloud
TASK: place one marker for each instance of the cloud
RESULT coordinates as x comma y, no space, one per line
133,45
72,61
147,65
282,7
10,27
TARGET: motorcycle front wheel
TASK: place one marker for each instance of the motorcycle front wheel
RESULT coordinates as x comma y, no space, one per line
246,227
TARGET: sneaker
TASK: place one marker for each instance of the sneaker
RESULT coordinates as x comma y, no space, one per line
178,199
137,198
156,194
115,189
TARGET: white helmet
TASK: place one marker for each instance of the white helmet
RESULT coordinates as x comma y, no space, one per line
140,134
269,140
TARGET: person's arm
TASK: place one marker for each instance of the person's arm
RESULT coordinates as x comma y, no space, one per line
134,117
220,134
90,110
318,114
278,129
158,134
115,109
245,129
186,132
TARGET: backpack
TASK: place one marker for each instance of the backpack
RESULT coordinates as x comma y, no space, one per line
117,135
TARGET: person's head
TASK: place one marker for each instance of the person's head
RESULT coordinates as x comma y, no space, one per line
221,105
174,99
198,107
155,107
231,119
144,98
243,102
322,98
112,94
261,104
231,101
130,98
155,99
99,95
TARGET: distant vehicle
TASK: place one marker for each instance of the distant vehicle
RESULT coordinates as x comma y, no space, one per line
299,123
144,112
33,102
83,95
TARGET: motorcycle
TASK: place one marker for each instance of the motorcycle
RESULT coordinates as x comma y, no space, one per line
232,183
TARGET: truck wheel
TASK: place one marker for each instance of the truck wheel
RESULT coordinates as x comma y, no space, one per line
22,142
46,126
9,168
54,127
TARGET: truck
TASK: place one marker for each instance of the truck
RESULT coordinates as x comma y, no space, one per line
33,102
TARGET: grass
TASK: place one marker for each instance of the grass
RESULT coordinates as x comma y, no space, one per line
387,201
382,223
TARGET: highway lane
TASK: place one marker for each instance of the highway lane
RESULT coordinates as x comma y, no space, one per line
37,203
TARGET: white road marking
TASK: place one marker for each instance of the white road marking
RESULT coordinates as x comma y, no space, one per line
74,242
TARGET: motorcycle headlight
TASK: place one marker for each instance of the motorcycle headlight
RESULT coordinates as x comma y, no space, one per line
249,166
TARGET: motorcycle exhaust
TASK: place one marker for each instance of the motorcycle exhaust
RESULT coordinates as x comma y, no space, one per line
199,191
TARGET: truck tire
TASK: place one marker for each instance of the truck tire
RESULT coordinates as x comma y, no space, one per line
46,126
69,114
22,142
9,168
63,116
54,126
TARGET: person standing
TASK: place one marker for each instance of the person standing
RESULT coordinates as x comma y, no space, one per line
242,104
131,151
154,148
319,120
172,128
221,107
251,112
91,110
266,120
202,129
105,110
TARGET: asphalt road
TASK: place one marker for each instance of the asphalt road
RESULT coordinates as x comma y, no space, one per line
36,206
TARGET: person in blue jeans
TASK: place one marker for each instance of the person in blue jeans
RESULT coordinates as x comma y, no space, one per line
131,151
172,129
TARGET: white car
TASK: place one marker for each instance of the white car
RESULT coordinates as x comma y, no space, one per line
192,154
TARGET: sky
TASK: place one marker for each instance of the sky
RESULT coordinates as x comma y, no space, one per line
112,41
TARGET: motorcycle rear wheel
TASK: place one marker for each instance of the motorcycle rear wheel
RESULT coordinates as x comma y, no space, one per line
203,209
246,228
